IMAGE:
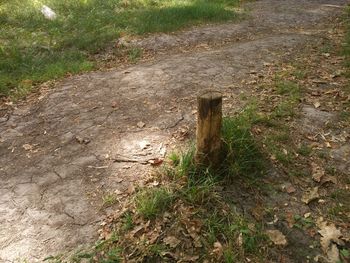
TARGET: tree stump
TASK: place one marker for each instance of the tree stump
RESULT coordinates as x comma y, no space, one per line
209,119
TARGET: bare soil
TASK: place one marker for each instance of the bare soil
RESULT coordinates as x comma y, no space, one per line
63,150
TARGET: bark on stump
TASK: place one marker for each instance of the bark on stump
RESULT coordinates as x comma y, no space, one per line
209,119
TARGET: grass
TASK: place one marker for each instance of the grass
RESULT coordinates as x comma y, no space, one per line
109,199
304,150
151,202
190,204
34,49
291,91
104,251
243,156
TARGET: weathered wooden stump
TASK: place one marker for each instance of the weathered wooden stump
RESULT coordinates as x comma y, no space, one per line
209,119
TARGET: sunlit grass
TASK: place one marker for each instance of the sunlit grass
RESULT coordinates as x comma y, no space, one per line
34,49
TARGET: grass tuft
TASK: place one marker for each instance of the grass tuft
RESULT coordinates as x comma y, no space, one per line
152,202
244,157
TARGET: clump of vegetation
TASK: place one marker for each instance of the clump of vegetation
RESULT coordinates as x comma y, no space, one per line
151,202
34,49
188,214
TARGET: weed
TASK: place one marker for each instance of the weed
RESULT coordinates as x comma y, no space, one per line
298,172
151,202
303,223
109,199
174,158
285,109
200,191
229,228
156,250
344,115
345,253
299,74
134,54
186,165
243,154
288,88
127,220
229,256
341,207
323,153
304,150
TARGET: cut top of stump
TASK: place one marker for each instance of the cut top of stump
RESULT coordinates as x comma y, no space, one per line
208,100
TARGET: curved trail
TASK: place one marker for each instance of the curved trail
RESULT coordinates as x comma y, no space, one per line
57,154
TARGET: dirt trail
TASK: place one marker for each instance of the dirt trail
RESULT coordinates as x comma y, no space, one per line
57,155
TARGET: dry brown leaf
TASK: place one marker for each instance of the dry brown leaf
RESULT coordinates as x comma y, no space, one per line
329,178
329,234
317,104
240,240
218,248
171,241
333,254
317,172
290,219
310,195
141,124
155,162
27,147
277,237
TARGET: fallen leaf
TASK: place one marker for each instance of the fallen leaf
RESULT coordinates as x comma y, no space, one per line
240,240
27,147
317,172
290,219
277,237
329,235
288,188
310,195
171,241
218,248
307,215
333,254
141,124
329,178
82,140
317,104
155,162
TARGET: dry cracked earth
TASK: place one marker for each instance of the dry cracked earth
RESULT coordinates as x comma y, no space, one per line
62,153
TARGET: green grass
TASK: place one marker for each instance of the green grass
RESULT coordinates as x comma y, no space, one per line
34,49
243,156
109,199
291,92
152,202
304,150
